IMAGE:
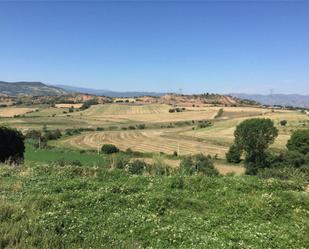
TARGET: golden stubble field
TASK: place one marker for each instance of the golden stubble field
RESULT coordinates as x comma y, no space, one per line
213,140
12,111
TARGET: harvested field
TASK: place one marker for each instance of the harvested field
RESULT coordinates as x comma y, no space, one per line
145,113
222,132
160,140
125,109
68,105
12,111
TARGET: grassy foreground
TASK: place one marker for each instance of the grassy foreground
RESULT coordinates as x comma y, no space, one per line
44,206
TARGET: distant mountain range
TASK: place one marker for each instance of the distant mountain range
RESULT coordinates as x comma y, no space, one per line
295,100
108,93
29,88
41,89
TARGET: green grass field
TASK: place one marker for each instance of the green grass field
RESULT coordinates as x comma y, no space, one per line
48,206
52,202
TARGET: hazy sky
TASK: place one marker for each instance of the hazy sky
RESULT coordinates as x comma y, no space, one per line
158,46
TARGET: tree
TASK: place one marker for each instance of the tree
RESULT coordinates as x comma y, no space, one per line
299,141
234,154
12,145
253,136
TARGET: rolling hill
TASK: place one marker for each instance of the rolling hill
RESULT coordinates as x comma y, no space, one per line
29,89
295,100
107,93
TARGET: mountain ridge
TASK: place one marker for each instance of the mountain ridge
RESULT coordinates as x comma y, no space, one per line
33,88
295,100
108,93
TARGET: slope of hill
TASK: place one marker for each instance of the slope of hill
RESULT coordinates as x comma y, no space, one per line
295,100
29,89
107,93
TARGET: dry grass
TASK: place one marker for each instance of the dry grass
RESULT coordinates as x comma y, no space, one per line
145,113
211,140
68,105
159,140
222,132
12,111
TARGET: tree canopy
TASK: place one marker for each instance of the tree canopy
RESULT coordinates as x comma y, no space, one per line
12,145
253,136
299,141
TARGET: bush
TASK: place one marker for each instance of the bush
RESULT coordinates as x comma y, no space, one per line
233,155
52,135
283,122
299,141
283,173
141,126
198,164
76,163
12,146
219,113
33,134
109,149
203,124
137,167
120,162
71,132
89,103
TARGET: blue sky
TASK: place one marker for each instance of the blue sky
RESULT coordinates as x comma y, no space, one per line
158,46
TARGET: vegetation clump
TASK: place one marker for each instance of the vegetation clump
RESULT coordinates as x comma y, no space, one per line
109,149
12,146
87,104
253,136
198,164
234,154
299,141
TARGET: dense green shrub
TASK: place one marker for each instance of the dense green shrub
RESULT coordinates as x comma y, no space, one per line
299,141
141,126
203,124
71,132
109,149
12,145
233,155
34,134
198,164
52,134
284,173
219,113
283,122
120,162
89,103
136,167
